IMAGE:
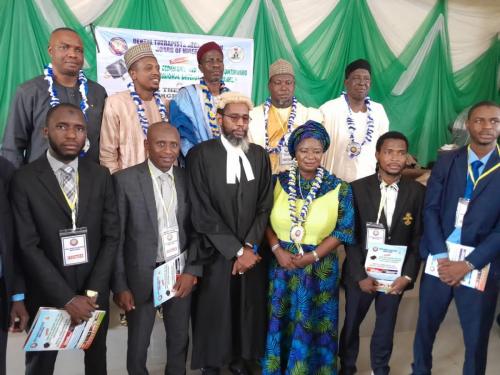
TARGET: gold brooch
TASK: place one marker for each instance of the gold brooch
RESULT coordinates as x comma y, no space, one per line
407,219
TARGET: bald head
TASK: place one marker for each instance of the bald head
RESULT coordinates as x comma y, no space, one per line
162,145
66,52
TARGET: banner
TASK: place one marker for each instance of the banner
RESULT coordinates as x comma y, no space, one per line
176,54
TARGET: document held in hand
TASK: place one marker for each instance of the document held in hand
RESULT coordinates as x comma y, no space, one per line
165,277
475,279
52,330
384,263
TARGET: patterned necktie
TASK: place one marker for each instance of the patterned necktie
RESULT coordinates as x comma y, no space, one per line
68,182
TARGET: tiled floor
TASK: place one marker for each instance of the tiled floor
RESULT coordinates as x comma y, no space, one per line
448,351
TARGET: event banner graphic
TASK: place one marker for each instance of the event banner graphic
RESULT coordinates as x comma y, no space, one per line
176,54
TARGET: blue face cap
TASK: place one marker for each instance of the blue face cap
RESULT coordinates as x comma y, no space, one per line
311,129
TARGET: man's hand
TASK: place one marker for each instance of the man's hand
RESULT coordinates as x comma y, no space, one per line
284,258
440,262
399,285
248,259
18,317
368,285
125,300
80,308
184,285
301,261
452,273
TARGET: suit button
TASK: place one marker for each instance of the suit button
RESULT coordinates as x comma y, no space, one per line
389,238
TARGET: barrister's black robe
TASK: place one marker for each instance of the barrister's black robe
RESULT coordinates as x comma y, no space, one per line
229,313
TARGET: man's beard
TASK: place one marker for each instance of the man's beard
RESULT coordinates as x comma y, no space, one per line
283,103
238,142
57,153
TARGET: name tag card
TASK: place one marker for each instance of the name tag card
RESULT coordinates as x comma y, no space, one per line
286,159
170,242
462,205
375,233
74,246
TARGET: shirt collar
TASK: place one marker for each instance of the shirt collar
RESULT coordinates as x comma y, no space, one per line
155,172
57,164
472,157
394,185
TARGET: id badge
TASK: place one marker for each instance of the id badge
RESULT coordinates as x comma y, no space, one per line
170,242
462,205
74,246
286,159
375,233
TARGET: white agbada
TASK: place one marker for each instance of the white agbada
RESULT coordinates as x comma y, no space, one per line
336,160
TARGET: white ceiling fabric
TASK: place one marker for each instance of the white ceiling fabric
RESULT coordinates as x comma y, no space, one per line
471,24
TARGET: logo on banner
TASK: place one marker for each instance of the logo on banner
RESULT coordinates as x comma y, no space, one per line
236,54
118,46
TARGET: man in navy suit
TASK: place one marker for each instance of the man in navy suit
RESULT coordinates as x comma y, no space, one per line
464,180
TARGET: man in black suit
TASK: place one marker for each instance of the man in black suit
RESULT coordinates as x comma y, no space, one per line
152,201
13,314
391,204
56,199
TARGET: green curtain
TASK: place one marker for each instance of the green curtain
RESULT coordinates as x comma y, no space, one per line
23,44
423,108
160,15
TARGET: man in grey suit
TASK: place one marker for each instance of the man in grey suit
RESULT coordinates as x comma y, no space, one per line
152,200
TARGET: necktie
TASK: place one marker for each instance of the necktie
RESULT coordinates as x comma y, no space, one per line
475,165
475,168
68,182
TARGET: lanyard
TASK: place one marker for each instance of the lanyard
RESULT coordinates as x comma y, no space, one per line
383,202
484,174
72,204
157,187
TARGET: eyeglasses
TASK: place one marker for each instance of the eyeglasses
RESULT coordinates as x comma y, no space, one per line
236,118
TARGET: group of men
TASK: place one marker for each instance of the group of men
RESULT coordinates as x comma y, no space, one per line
61,125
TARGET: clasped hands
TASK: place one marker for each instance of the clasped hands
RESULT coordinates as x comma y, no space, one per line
452,272
291,261
246,261
369,285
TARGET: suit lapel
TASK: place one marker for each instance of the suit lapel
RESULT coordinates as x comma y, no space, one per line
181,194
148,194
49,181
374,197
458,172
84,188
494,159
401,202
